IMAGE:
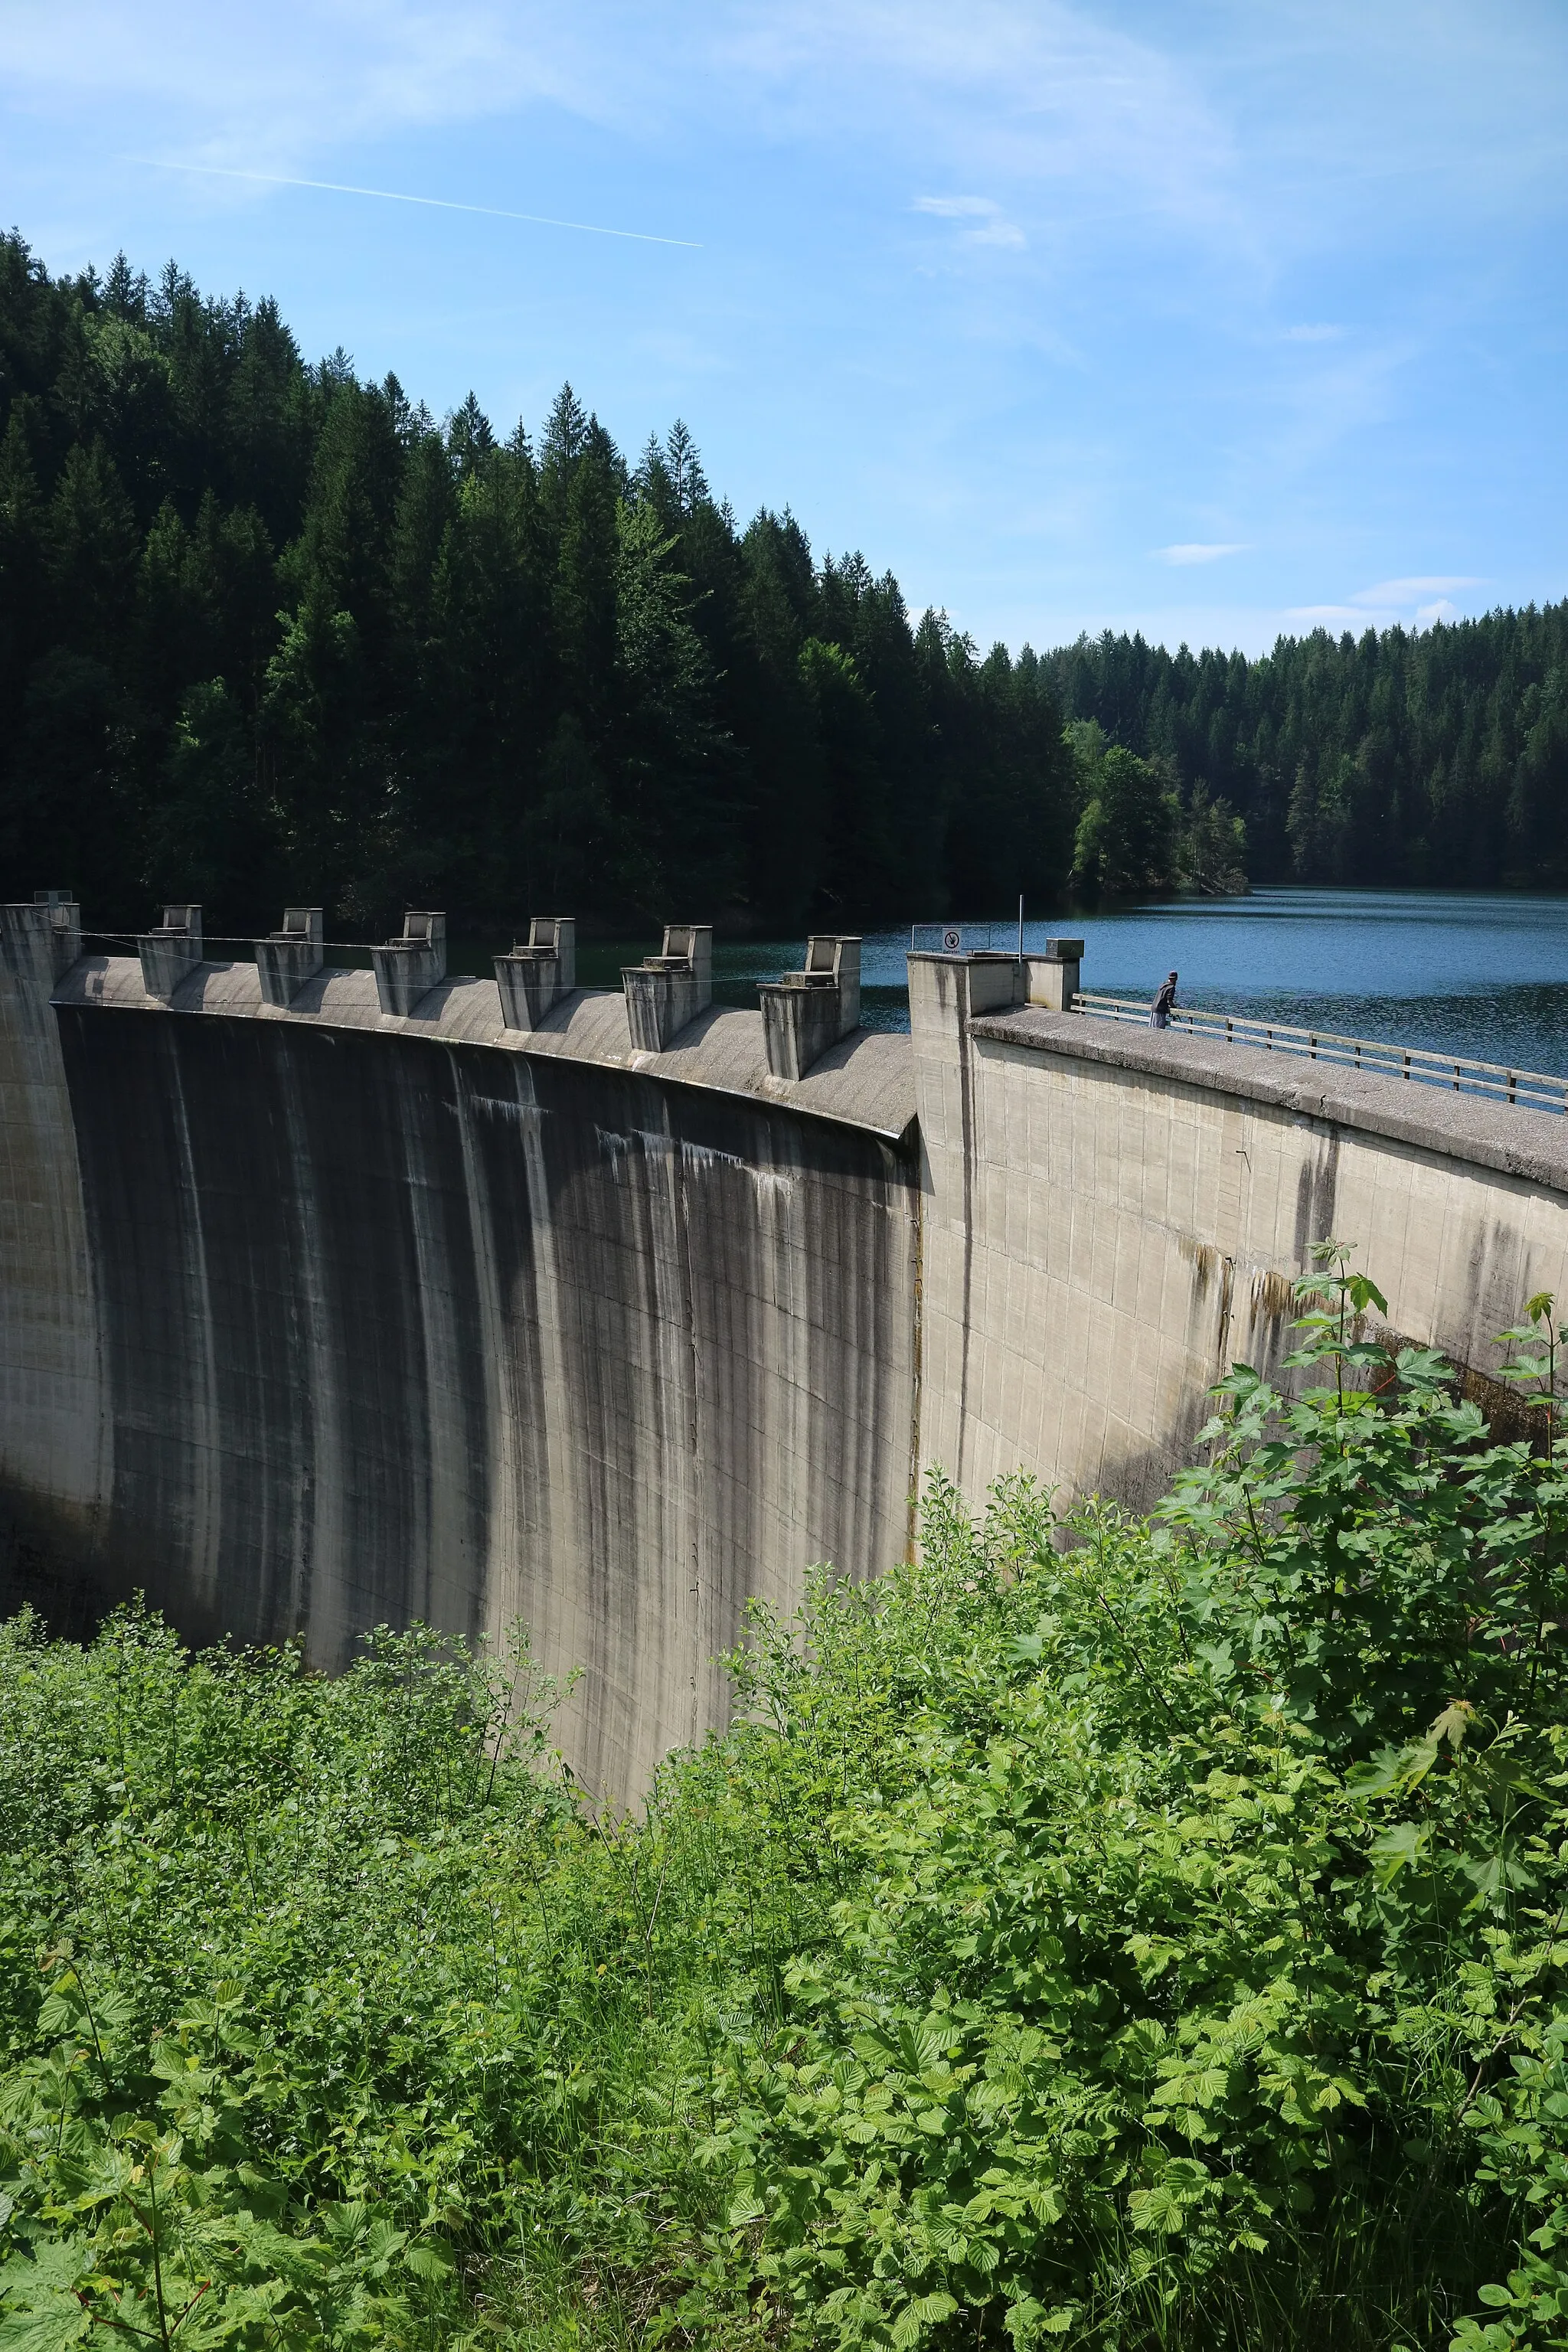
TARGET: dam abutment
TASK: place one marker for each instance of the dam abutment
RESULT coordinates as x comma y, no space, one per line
1115,1215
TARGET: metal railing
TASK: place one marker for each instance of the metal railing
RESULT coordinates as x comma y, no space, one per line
1534,1089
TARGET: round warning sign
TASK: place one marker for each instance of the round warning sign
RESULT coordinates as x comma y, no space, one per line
952,941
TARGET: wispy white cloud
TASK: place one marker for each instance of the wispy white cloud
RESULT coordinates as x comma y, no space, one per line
988,222
1094,130
1320,615
1324,335
1073,120
1396,593
1201,551
298,80
1330,402
1391,601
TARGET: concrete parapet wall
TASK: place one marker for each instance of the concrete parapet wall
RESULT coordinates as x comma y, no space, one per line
1112,1218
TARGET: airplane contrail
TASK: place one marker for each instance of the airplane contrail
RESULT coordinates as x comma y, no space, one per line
396,197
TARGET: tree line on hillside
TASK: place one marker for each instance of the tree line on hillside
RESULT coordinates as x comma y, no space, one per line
1437,756
270,633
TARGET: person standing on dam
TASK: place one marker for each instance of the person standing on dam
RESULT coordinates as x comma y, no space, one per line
1165,996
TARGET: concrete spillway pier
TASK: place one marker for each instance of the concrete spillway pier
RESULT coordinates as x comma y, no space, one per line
329,1298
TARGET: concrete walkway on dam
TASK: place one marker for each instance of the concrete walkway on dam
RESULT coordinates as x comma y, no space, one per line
867,1080
315,1314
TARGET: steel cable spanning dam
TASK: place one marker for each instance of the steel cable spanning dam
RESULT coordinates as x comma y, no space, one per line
333,1298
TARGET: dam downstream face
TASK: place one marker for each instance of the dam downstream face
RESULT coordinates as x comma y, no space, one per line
429,1329
316,1315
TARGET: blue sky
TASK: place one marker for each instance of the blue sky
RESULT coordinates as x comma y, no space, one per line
1211,319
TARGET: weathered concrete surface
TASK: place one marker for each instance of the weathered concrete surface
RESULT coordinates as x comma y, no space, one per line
867,1081
317,1315
54,1437
398,1325
807,1012
1113,1216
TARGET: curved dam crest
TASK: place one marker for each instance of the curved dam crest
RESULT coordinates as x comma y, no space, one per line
318,1316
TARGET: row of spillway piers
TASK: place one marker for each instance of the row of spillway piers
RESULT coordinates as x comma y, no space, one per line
804,1014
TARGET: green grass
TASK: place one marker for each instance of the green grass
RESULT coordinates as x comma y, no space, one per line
1150,1939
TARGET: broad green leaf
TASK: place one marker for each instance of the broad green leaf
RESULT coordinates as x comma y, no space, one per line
54,2323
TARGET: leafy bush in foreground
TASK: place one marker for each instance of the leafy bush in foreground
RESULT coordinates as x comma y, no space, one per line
1159,1942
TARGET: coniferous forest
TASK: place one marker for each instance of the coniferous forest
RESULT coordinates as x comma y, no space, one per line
268,633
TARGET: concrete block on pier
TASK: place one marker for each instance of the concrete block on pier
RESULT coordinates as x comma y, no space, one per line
407,969
171,953
40,940
666,991
949,990
806,1012
286,959
55,913
1052,978
539,972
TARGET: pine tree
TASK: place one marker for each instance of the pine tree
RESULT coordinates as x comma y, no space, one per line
687,482
91,550
469,438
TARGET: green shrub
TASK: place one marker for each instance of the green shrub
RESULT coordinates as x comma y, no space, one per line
1205,1984
1129,1933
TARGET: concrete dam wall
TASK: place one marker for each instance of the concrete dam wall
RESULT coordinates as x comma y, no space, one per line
611,1311
1113,1216
319,1320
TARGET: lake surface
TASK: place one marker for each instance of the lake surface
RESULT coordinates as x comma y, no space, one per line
1484,974
1478,975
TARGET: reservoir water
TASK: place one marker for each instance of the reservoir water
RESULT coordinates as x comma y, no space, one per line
1477,973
